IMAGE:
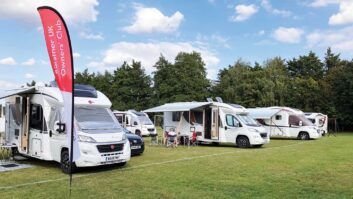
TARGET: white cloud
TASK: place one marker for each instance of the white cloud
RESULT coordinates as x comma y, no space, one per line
76,55
149,20
78,11
322,3
43,62
340,40
91,36
29,76
244,12
29,62
344,16
214,39
8,85
288,35
8,61
268,7
148,54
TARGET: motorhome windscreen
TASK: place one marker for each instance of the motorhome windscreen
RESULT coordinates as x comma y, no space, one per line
249,121
94,118
144,120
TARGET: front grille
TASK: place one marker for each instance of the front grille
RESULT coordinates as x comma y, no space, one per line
263,135
150,129
110,148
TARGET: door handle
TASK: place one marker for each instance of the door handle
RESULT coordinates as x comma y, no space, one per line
225,128
50,133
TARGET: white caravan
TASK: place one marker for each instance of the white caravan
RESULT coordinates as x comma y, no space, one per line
285,122
2,120
213,122
320,120
136,122
34,128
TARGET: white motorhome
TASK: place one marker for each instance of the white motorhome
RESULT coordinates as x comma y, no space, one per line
136,122
213,122
285,122
34,128
320,120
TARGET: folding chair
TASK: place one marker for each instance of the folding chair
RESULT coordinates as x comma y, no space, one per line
154,139
193,139
171,139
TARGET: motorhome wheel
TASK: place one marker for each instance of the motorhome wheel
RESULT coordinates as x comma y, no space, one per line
65,162
243,142
303,136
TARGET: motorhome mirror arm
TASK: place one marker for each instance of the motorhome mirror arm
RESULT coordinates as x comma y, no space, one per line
60,127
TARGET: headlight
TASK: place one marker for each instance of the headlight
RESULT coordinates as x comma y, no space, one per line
124,136
253,130
83,138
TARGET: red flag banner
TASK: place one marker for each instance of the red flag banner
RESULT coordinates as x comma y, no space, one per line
60,53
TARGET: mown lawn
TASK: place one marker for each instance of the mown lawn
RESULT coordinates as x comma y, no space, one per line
282,169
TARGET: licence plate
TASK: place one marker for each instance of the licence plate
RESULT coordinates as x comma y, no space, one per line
112,158
135,147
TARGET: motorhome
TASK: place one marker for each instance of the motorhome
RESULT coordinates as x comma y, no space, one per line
35,129
285,122
320,120
136,122
213,122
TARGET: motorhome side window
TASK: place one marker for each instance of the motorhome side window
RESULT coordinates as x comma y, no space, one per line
36,118
55,116
232,121
176,116
278,117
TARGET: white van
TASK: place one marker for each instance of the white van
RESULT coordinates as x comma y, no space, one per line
285,122
320,120
136,122
213,122
34,115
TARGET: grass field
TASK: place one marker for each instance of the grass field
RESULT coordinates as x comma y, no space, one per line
282,169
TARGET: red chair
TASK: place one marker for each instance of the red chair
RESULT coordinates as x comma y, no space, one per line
193,140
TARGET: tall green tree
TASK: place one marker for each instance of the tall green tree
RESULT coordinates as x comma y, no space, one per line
131,87
185,80
306,66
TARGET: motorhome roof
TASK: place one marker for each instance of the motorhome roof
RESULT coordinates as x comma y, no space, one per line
268,112
54,92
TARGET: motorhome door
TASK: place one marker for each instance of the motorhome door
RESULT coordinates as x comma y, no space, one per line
13,122
37,127
214,123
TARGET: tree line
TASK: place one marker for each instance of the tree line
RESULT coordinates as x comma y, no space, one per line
303,82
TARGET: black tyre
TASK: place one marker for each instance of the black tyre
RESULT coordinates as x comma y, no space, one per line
257,146
303,136
243,142
65,163
121,164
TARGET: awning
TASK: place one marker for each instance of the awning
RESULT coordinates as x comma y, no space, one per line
178,106
263,113
9,93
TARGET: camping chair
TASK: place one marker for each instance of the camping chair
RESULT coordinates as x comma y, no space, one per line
154,139
171,139
193,139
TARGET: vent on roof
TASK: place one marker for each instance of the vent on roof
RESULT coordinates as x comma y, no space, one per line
209,99
236,105
85,91
219,99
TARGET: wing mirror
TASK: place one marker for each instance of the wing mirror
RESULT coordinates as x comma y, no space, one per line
135,123
59,127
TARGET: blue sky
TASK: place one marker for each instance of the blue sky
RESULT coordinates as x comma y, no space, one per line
105,33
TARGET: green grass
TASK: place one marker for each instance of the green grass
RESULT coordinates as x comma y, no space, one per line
282,169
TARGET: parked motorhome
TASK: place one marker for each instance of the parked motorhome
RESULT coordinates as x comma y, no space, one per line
213,122
320,120
2,120
34,126
285,122
136,122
